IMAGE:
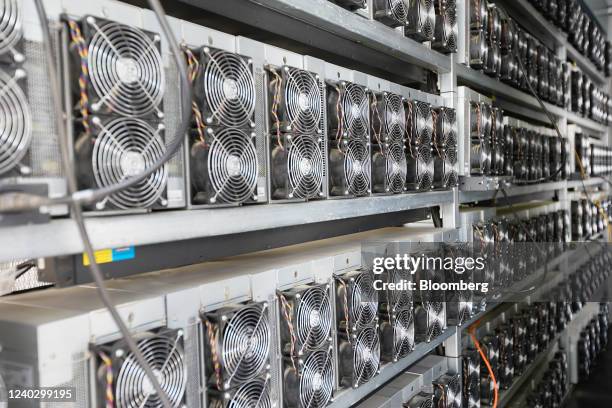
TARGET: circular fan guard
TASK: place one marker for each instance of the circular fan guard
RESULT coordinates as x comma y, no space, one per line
233,166
167,360
317,380
15,123
403,334
453,393
356,110
124,148
435,318
427,18
357,167
398,10
450,28
10,25
395,116
424,171
399,299
313,318
363,301
125,69
396,168
366,355
305,166
423,123
246,343
229,88
303,100
254,394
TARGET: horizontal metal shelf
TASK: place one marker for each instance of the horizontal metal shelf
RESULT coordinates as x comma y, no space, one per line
517,101
60,237
320,23
589,182
512,191
349,397
530,18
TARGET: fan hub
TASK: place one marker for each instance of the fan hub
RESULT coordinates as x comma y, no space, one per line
358,166
132,163
314,318
147,386
317,381
232,165
355,111
305,166
303,102
366,354
230,89
127,70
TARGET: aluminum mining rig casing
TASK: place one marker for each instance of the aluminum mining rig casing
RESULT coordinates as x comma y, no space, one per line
107,111
295,117
30,160
226,162
347,104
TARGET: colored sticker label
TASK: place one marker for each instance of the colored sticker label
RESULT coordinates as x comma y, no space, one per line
103,256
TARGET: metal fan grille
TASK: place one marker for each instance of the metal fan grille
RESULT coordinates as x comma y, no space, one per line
450,29
10,25
403,334
313,318
399,299
303,100
357,166
363,301
167,359
305,166
125,69
229,88
366,356
394,116
421,401
355,107
396,168
398,10
15,121
421,18
424,167
125,148
423,123
317,380
453,392
246,343
233,166
254,394
435,319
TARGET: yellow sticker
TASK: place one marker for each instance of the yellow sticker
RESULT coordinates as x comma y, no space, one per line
101,256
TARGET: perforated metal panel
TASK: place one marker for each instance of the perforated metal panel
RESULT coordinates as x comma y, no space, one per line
261,140
275,366
80,384
192,359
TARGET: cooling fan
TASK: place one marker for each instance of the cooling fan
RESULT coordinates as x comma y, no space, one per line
388,118
350,168
253,394
297,100
445,148
312,386
397,333
393,13
237,344
430,320
420,168
389,168
479,49
306,318
359,358
478,14
163,351
420,122
225,89
471,379
421,400
447,391
11,32
486,383
122,148
356,301
125,73
446,31
421,21
223,167
16,121
395,300
298,167
348,110
480,151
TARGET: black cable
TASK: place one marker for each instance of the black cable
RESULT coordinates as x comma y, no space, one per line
75,204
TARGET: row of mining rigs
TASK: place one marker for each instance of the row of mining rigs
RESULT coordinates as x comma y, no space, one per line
503,146
587,99
583,31
592,341
587,219
497,43
553,386
426,21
